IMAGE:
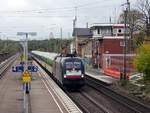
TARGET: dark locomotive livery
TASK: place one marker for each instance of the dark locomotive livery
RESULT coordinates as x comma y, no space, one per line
69,71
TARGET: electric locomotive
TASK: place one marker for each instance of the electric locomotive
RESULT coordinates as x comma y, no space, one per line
69,71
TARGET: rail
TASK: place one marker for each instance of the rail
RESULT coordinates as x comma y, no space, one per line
135,106
4,65
26,97
64,99
130,104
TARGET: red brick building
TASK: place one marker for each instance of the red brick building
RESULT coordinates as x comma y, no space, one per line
108,46
105,44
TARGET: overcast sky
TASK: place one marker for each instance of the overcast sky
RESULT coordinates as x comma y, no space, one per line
46,16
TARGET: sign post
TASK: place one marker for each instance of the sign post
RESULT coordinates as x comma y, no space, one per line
26,76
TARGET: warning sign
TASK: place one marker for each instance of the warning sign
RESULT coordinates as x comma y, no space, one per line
26,77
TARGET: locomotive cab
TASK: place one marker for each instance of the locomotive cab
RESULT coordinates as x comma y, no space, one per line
73,72
69,71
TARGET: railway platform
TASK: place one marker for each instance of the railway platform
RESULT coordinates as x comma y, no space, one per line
42,99
11,99
97,74
47,97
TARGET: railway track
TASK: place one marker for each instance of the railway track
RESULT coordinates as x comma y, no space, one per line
96,97
86,103
133,105
90,100
4,56
4,66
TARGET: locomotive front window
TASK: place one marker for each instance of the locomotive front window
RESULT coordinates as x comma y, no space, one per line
77,65
69,65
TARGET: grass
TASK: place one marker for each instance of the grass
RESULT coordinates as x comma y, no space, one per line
142,92
143,81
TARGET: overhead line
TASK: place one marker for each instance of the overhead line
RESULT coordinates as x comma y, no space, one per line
55,9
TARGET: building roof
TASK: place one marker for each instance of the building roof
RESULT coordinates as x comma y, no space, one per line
82,32
114,37
107,25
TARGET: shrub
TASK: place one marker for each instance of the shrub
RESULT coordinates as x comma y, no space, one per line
142,61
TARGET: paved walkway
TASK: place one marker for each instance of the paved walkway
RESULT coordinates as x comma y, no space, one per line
42,100
97,74
11,97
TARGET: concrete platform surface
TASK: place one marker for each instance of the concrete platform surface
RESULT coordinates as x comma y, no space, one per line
47,97
11,99
42,99
101,77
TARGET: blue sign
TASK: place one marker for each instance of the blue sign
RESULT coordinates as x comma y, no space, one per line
19,68
32,68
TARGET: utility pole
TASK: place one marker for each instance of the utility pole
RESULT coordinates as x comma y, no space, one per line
26,49
75,26
125,40
61,39
128,5
7,41
22,42
125,44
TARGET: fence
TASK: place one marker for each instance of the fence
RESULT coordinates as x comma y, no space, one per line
115,63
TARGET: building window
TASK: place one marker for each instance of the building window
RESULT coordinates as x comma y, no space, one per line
122,43
119,31
98,31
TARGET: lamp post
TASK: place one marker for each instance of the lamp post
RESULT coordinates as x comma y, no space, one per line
26,45
26,76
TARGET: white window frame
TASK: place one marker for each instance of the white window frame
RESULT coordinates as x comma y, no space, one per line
122,43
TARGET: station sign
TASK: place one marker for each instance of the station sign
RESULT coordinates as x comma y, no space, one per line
32,68
19,68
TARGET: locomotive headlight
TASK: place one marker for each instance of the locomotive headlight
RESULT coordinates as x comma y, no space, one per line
82,75
65,76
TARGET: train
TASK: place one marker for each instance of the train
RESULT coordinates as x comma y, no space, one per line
67,70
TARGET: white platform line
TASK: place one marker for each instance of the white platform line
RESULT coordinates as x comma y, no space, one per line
51,94
65,100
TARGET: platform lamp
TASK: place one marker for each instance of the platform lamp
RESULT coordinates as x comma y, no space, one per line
26,44
26,75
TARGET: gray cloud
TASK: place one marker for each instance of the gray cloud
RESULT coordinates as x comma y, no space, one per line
45,16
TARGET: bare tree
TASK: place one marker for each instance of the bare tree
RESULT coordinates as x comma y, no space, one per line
144,7
134,21
134,17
